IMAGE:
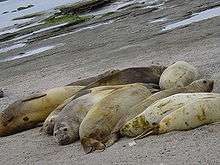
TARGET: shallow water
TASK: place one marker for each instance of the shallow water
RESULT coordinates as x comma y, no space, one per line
11,47
30,53
39,6
82,29
159,20
120,4
207,14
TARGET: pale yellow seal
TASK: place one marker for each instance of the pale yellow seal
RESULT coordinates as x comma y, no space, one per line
179,74
145,122
29,112
99,128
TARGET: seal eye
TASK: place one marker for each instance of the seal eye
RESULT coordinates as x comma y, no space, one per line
65,129
26,118
204,81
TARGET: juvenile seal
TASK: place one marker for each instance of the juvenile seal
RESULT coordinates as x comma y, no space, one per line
195,114
29,112
179,74
99,128
48,126
197,86
66,128
145,122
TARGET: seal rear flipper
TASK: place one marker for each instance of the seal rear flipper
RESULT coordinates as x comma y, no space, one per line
150,131
90,145
112,139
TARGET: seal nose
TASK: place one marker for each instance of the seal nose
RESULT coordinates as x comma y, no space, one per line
63,139
62,136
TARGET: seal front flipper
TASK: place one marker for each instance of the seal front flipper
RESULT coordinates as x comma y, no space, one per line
112,139
115,134
90,145
120,124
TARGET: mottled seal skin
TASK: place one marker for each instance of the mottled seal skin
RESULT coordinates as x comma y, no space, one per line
29,112
66,128
192,115
179,74
48,126
146,121
201,85
99,128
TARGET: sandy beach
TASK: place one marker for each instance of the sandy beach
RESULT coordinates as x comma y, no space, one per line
135,37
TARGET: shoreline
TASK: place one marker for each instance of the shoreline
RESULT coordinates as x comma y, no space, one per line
128,41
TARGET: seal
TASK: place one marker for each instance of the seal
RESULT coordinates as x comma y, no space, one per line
29,112
87,81
48,126
145,75
192,115
179,74
145,122
201,85
149,76
66,128
99,129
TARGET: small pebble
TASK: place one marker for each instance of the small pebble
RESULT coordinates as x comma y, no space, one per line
133,143
1,93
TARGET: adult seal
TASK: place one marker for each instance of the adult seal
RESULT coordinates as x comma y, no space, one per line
99,128
179,74
195,114
29,112
130,129
66,125
145,122
48,126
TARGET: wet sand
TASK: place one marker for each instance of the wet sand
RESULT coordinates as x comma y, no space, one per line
130,40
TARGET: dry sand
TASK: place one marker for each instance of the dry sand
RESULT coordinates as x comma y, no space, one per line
127,42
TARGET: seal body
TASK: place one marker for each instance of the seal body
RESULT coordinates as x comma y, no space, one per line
48,126
150,118
197,86
66,128
149,74
179,74
29,112
98,128
192,115
87,81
